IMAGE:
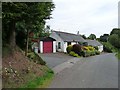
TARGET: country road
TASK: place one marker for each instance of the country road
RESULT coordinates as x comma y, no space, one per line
92,72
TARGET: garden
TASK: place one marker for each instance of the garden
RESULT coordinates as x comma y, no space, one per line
78,50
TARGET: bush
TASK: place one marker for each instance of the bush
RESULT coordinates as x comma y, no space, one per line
106,48
69,48
36,58
97,52
96,47
85,53
74,54
88,51
77,49
114,39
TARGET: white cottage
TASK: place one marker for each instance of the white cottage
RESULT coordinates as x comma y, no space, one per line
95,43
63,39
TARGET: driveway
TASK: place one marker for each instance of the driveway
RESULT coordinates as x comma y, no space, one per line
99,71
54,59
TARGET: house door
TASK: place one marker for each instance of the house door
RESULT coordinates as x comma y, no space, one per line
47,47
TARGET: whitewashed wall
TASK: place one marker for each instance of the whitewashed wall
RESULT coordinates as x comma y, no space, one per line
100,48
72,43
58,39
41,46
54,46
65,46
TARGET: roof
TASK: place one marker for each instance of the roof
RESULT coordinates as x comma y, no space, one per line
93,42
69,37
47,39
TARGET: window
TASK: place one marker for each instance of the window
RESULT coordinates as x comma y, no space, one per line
69,43
59,45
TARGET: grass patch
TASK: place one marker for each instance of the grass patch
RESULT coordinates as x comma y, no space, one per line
40,82
118,55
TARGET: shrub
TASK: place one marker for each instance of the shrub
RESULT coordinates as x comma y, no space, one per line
69,48
97,52
114,39
91,48
85,48
77,49
107,49
96,47
85,53
74,54
92,53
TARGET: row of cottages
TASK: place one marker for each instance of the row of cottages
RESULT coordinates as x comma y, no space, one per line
64,39
95,43
58,42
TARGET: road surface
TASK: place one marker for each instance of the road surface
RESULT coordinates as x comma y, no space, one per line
99,71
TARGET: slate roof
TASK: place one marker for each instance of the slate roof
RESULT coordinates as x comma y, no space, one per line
93,42
47,39
69,37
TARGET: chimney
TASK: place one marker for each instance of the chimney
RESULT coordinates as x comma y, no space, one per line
78,33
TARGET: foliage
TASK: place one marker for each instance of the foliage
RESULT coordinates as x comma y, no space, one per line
104,38
115,31
72,53
114,39
83,36
24,17
37,59
92,36
96,47
97,52
69,48
118,54
88,51
84,51
39,82
107,47
77,49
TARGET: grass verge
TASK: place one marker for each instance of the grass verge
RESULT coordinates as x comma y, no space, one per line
40,82
118,55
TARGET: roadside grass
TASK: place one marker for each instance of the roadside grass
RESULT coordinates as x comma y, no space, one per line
118,55
40,82
114,50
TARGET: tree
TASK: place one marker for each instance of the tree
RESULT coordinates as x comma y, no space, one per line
30,16
83,36
114,39
104,38
92,36
115,31
10,16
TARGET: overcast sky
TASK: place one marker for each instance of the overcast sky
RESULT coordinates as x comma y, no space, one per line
86,16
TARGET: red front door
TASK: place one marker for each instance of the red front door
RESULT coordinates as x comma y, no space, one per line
48,47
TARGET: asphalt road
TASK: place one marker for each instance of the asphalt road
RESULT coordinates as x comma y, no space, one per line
54,59
92,72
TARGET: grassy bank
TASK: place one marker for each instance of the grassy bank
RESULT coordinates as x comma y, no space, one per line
118,55
40,82
19,71
111,48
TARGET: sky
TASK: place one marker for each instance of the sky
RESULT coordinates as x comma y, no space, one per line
86,16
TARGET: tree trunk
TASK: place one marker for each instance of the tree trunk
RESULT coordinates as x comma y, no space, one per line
12,40
27,42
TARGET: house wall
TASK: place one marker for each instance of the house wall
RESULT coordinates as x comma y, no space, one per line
65,46
41,46
54,46
72,43
58,39
100,48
